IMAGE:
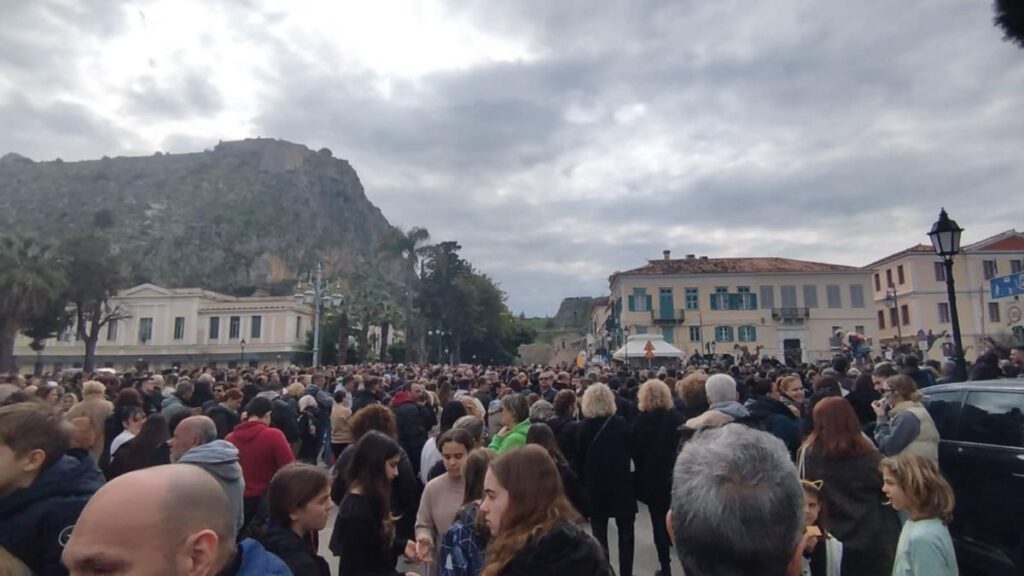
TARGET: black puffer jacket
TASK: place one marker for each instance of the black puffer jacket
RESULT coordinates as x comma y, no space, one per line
296,553
565,550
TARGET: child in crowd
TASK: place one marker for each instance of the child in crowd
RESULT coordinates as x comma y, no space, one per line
915,486
823,554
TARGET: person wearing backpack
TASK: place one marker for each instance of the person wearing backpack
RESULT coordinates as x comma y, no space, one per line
769,413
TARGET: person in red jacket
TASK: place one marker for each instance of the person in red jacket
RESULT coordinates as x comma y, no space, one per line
262,451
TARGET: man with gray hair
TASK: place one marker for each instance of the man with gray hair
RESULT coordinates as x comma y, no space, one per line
195,442
724,408
178,401
737,505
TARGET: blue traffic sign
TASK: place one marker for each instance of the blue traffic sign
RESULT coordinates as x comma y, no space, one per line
1006,286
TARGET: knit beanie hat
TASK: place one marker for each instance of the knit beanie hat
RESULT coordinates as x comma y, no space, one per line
720,388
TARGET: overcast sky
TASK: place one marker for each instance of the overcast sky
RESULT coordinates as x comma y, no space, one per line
560,141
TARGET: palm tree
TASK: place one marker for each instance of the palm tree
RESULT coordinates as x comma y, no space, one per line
31,282
412,246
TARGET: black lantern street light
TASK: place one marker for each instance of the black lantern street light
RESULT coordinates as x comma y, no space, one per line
892,302
242,359
945,236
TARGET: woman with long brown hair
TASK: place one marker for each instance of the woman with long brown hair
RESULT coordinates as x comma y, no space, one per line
365,536
534,529
406,489
839,454
299,502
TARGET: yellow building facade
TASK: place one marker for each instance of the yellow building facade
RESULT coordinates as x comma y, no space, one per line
748,307
916,279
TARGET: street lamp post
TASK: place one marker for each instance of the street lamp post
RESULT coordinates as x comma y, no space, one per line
317,296
241,362
440,340
625,344
893,303
945,236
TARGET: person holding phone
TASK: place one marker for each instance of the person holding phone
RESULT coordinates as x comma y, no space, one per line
904,426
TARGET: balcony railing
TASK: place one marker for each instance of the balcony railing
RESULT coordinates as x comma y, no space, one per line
791,314
667,316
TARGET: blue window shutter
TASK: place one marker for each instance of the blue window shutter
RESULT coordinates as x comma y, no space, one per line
630,303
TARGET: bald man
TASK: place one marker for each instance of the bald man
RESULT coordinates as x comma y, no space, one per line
195,442
161,521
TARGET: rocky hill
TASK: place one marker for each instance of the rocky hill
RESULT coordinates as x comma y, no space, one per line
574,312
246,216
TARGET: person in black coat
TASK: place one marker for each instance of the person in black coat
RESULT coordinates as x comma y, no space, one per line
406,489
412,424
370,394
604,455
769,413
565,426
225,414
541,435
303,489
311,435
654,438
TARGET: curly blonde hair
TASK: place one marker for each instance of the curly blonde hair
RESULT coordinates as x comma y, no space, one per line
598,401
654,395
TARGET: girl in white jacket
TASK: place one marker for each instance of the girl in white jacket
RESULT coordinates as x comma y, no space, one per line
823,554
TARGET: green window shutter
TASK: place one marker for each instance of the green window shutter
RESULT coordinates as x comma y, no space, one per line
631,303
649,299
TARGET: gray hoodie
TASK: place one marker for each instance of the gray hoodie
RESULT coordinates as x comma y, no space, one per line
220,459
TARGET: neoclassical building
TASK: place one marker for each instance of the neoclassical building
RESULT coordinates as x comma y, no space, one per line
910,297
775,307
165,327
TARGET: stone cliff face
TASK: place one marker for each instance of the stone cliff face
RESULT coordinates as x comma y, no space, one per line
246,216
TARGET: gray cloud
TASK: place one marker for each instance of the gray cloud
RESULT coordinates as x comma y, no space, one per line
828,132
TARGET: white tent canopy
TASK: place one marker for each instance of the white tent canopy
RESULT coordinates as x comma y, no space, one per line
636,343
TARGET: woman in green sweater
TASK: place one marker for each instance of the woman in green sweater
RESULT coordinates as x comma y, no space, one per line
915,486
515,421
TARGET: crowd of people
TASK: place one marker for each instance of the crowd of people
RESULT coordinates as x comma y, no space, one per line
466,470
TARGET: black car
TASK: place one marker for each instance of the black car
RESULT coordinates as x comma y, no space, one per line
982,455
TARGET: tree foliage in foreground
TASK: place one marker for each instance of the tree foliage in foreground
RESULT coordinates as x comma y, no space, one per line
1010,17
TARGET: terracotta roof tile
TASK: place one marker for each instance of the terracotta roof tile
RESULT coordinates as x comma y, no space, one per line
734,266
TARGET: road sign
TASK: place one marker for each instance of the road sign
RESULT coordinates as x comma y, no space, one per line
649,350
1006,286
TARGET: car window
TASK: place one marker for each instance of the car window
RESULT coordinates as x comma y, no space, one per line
943,406
993,418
